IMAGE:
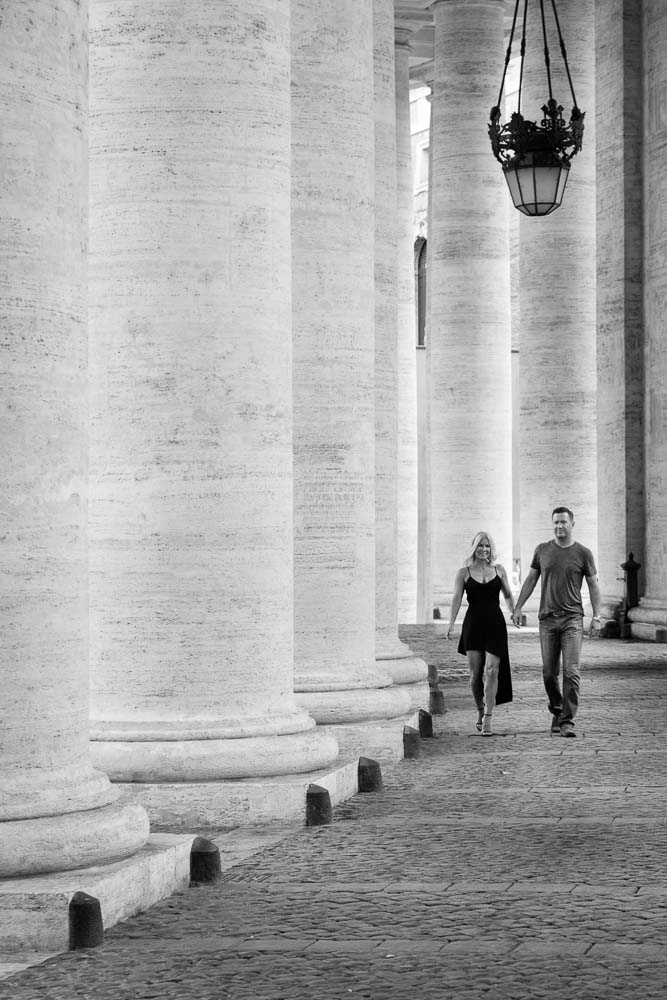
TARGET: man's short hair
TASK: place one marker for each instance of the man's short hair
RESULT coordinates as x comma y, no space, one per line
562,510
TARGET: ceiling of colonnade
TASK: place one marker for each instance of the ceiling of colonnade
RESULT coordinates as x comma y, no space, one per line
416,18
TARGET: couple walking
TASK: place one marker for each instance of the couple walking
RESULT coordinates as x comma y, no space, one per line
562,565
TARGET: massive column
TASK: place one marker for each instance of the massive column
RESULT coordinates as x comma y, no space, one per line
557,308
469,323
56,811
408,466
392,655
191,389
336,675
620,363
653,606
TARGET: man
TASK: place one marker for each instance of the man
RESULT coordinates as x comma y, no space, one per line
562,563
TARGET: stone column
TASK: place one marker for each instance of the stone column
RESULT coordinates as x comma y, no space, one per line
620,363
191,398
336,675
392,655
653,606
408,465
56,812
469,324
558,442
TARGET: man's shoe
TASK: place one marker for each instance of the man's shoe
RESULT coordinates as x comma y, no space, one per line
555,725
567,729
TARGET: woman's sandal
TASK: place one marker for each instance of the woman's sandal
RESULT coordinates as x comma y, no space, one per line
478,724
486,725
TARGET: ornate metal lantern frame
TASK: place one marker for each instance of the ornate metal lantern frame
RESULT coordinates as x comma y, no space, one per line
535,158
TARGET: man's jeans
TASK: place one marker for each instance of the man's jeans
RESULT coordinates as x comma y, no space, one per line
561,634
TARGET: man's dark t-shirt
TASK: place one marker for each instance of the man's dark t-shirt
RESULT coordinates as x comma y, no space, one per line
562,571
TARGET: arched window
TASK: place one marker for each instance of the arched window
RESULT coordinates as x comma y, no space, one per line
420,289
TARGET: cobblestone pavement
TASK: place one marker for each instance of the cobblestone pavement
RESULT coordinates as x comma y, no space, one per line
514,868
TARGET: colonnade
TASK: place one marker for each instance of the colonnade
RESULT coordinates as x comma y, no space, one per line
209,458
200,388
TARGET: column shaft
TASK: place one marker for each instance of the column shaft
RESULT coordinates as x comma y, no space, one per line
191,467
620,362
56,812
334,376
469,323
395,657
557,309
653,606
408,465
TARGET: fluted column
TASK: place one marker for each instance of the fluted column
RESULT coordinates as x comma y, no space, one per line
336,675
408,468
469,323
56,811
653,606
392,655
557,310
620,363
191,401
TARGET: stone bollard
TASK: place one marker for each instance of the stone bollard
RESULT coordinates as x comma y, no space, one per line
204,861
86,928
436,702
318,806
369,775
411,745
425,725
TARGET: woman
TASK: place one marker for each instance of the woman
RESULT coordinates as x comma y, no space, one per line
484,633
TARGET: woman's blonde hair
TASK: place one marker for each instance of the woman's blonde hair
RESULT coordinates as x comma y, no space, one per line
470,556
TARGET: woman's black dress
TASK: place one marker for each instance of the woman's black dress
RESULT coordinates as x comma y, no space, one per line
484,629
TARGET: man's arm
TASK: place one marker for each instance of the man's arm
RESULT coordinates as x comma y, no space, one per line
527,589
596,600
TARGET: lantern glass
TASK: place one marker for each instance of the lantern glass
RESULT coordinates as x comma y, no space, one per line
536,188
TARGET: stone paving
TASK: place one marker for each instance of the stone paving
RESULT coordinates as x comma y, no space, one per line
514,868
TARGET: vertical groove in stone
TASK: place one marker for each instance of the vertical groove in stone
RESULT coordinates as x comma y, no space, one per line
619,293
334,319
558,322
407,339
56,811
655,302
191,392
469,325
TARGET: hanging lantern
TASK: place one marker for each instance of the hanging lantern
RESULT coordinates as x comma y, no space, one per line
536,157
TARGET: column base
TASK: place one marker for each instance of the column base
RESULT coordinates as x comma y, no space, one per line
213,760
34,914
648,621
72,840
355,705
226,805
380,740
410,673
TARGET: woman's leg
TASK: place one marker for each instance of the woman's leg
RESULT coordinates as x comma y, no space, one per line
476,665
491,665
